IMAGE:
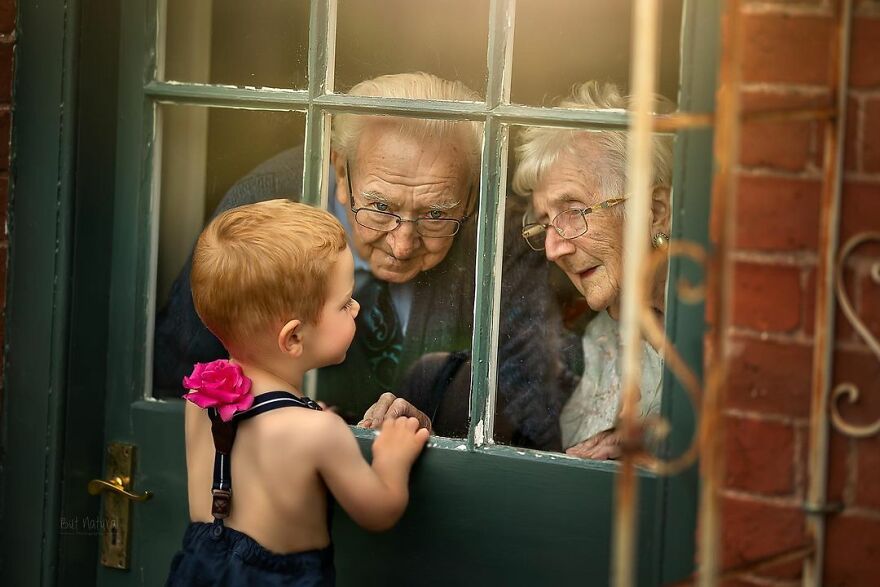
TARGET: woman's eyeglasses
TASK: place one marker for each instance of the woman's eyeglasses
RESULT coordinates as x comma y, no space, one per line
568,224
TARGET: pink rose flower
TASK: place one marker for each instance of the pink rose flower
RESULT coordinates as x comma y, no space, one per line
219,384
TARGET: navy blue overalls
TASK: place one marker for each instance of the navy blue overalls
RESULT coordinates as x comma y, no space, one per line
214,555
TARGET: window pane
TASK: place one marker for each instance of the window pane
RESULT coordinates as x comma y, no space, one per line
559,43
566,391
415,291
447,39
211,159
261,43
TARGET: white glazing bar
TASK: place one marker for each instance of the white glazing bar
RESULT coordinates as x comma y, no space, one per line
635,247
322,51
490,224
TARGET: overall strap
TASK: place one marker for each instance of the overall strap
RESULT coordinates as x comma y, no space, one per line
224,437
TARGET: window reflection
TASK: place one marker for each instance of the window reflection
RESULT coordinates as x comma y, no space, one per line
211,159
261,43
574,174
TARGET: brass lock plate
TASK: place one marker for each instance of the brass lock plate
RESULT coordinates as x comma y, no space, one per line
117,509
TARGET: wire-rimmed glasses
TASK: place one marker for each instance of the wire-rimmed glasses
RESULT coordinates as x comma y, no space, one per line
439,227
568,224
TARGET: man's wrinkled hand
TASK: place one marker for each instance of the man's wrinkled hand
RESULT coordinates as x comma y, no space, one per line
389,407
602,446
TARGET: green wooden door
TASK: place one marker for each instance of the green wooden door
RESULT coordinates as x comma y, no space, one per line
479,512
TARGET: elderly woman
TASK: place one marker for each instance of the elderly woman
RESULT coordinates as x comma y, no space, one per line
576,180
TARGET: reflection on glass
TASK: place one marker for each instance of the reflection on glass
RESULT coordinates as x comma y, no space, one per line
261,43
404,190
572,184
447,39
211,159
560,43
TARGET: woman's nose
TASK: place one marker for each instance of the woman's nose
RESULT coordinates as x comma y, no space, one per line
556,247
356,308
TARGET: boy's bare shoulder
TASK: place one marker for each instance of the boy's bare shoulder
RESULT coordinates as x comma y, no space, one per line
311,426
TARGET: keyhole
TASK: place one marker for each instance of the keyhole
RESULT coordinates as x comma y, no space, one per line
113,533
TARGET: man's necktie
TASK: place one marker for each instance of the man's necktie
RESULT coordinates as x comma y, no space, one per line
379,330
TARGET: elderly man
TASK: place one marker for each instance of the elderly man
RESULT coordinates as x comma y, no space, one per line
406,190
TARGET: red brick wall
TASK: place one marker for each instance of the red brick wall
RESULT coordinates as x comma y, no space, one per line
7,44
787,64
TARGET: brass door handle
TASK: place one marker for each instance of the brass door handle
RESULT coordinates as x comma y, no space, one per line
116,485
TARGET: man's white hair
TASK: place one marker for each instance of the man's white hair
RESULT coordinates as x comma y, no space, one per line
418,85
540,147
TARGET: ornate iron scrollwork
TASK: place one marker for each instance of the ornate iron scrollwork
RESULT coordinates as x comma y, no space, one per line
849,390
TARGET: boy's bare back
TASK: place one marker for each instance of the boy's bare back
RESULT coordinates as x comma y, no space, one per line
284,462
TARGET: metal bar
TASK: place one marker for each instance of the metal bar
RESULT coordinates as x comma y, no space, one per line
322,52
636,245
490,223
720,285
823,342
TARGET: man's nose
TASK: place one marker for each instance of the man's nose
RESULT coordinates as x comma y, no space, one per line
404,240
556,247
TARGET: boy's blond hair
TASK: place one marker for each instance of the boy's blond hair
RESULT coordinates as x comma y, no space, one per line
261,265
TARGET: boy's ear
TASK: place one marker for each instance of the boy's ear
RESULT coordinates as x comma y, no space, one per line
290,339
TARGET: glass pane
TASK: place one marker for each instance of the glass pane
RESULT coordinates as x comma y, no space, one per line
559,43
415,288
211,159
260,43
447,39
566,295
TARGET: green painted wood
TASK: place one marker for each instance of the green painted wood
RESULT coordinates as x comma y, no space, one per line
473,517
494,513
685,324
37,291
316,153
93,212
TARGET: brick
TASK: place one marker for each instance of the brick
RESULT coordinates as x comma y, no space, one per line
864,72
838,465
852,552
6,73
790,146
871,135
860,212
777,214
7,16
862,369
755,530
868,473
767,297
850,141
782,48
770,377
760,456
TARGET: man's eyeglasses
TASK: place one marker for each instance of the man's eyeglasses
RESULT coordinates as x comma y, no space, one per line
568,224
439,227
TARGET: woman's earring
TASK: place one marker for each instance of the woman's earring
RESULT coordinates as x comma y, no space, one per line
660,240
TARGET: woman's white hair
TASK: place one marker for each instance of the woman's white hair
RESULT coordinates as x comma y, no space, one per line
540,147
421,86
